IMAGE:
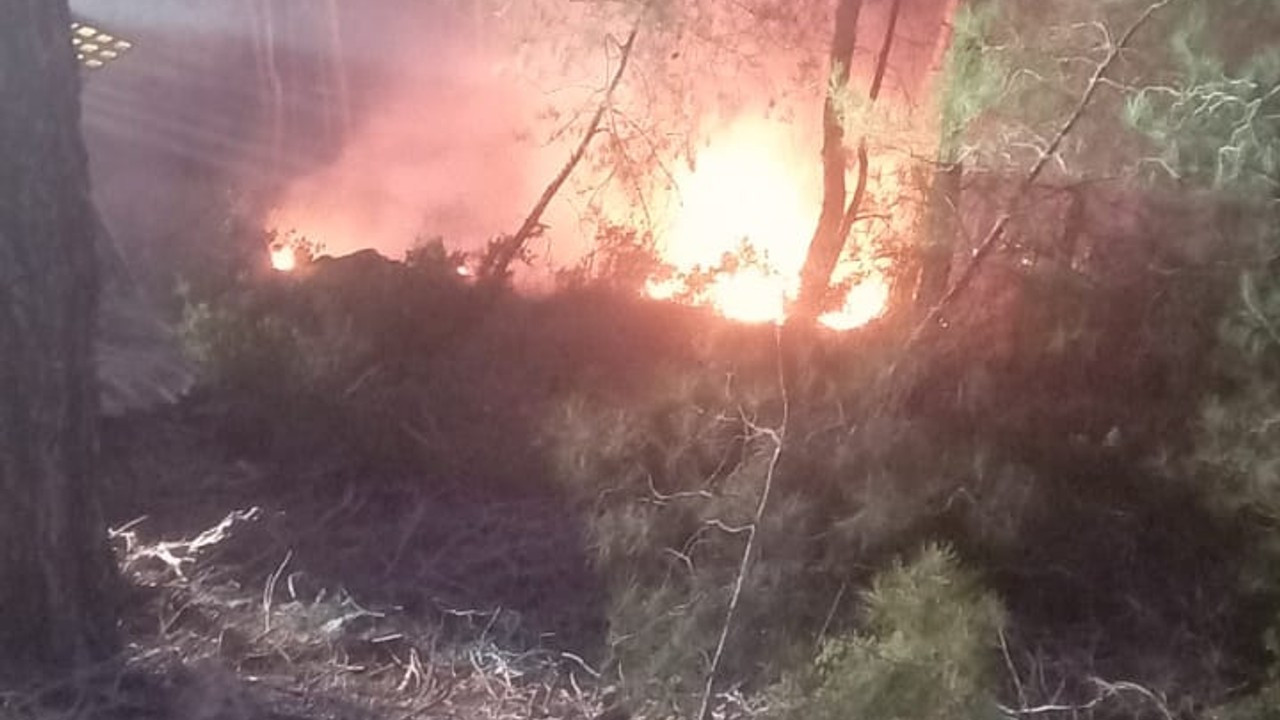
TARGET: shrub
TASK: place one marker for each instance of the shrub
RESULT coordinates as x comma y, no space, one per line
926,650
665,481
1237,445
1264,702
242,349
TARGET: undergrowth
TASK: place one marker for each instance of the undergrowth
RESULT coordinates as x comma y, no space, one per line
1047,449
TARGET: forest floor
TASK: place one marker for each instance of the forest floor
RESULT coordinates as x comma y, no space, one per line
257,590
359,514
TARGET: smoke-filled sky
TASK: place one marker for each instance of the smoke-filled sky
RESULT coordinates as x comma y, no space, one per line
417,135
365,123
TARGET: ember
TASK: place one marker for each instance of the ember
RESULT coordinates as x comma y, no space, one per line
283,258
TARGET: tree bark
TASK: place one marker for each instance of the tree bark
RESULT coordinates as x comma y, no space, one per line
942,227
826,244
57,577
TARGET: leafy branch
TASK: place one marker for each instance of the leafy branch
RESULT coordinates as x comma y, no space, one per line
995,236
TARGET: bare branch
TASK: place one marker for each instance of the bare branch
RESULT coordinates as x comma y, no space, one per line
507,249
778,436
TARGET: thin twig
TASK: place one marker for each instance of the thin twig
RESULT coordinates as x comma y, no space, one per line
831,613
1248,295
269,592
778,436
1106,691
1013,670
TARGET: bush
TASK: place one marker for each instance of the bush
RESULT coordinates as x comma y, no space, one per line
926,650
665,480
243,349
1237,448
335,350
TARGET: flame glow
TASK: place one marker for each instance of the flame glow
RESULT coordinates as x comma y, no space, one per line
283,258
754,187
865,302
751,295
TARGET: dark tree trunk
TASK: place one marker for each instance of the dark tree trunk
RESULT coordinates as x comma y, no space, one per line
827,243
942,227
56,572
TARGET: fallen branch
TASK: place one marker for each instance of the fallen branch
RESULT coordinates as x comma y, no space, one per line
1106,691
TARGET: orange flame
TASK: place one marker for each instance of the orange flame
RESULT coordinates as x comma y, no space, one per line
865,302
754,185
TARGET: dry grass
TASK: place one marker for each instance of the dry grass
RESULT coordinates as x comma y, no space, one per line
213,638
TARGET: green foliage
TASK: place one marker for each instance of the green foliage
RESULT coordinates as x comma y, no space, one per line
1211,127
243,349
646,475
1209,109
1239,444
304,249
859,116
665,481
432,258
296,356
972,78
1215,124
926,650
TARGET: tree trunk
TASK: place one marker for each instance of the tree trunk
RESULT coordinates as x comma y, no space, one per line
941,230
826,245
57,576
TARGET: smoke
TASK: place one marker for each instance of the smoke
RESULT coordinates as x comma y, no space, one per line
440,145
368,128
361,124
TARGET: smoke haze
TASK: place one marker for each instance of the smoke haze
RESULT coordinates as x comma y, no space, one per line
370,124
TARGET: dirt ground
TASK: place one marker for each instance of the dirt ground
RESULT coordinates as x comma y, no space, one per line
260,590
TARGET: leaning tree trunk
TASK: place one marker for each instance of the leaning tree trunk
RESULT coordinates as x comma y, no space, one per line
56,571
827,243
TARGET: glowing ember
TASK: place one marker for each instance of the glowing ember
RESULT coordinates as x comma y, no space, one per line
283,258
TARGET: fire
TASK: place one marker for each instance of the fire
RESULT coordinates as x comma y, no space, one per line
754,190
736,234
865,302
751,295
283,258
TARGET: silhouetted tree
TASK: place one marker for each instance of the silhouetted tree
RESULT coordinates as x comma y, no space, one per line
56,571
827,242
